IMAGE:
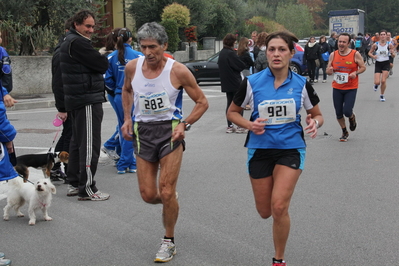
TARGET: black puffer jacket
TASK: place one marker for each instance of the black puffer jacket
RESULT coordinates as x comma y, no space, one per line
82,72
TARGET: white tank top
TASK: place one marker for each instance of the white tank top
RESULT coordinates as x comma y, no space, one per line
156,99
382,52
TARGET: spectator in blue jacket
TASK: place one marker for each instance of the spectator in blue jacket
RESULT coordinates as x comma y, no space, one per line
114,78
5,68
7,135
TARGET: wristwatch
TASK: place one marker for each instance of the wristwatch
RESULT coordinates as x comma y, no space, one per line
187,126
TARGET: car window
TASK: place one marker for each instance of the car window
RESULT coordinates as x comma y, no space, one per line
214,59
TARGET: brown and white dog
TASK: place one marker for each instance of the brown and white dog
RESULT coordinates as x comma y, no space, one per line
43,161
38,195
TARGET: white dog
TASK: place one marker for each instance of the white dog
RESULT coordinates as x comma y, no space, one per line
38,195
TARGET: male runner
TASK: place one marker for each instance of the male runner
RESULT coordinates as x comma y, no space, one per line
381,51
346,64
394,43
155,85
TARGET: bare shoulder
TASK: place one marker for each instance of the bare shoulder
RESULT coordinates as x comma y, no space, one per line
131,65
182,76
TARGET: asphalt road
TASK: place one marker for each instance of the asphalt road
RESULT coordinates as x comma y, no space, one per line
344,210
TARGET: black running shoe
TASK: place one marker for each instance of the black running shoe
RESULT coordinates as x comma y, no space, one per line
352,122
344,137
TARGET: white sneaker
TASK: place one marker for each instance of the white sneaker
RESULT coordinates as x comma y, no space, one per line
166,251
375,87
230,129
316,80
241,130
324,81
110,153
5,262
382,98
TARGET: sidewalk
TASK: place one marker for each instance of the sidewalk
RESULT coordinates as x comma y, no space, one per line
33,101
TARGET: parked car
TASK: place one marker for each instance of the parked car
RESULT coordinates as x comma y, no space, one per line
297,65
205,71
208,70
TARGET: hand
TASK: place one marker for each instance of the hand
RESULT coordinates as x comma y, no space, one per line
62,116
258,126
127,130
179,132
312,127
9,101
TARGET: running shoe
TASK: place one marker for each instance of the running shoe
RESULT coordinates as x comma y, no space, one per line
241,130
382,98
2,255
344,137
391,72
57,175
278,262
230,129
166,251
316,80
72,191
352,122
375,87
324,81
110,153
132,170
121,172
5,262
98,196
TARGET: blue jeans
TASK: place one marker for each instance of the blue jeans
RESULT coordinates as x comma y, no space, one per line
323,66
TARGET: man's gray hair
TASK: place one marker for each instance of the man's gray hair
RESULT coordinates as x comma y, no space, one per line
152,30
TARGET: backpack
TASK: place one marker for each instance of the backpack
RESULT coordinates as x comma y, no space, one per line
261,61
358,43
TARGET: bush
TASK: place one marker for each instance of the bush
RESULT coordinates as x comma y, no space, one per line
178,13
171,29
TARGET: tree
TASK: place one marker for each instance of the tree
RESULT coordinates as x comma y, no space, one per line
178,13
296,18
144,11
171,29
33,25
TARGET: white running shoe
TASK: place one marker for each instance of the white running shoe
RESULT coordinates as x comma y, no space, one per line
166,251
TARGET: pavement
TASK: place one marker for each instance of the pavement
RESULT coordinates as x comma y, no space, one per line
34,101
344,210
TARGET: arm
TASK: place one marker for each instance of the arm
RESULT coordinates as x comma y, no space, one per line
330,69
371,52
392,50
242,98
127,100
359,61
84,53
314,115
182,77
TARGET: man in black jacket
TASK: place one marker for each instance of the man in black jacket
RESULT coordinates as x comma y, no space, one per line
82,70
58,91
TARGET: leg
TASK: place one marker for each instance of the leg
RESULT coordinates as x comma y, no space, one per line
45,214
285,180
349,102
89,141
170,168
262,189
377,79
338,101
147,178
229,97
32,215
384,77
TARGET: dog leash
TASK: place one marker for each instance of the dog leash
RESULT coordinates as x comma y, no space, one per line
55,137
25,180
